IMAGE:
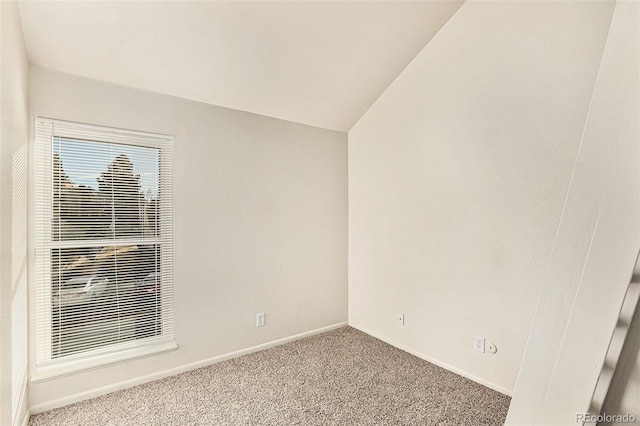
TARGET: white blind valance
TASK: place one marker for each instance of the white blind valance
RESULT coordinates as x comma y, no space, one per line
103,230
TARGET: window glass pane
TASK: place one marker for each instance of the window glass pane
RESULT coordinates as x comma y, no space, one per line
104,190
103,296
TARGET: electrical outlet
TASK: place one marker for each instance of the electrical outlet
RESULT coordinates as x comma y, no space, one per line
260,319
478,344
400,318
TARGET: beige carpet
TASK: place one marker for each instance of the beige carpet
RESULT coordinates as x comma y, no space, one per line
343,377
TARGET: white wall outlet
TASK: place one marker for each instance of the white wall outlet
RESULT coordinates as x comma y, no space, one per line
491,348
478,343
400,318
260,319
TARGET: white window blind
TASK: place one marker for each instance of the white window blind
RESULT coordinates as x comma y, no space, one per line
103,230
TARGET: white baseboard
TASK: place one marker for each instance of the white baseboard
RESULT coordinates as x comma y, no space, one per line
437,362
61,402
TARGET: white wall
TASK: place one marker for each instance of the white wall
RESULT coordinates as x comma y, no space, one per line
260,225
14,74
457,179
624,391
596,245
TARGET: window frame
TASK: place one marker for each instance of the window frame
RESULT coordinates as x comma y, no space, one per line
46,131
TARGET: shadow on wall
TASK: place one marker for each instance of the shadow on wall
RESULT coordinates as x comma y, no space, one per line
624,392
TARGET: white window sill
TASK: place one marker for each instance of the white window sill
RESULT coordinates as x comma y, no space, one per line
82,362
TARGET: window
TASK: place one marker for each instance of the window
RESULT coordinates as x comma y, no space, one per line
103,234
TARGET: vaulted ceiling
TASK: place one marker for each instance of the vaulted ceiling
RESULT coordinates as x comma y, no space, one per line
322,63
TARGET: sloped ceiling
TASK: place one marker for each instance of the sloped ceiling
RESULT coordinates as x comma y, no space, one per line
321,63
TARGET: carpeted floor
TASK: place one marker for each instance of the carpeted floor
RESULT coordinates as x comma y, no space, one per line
343,377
